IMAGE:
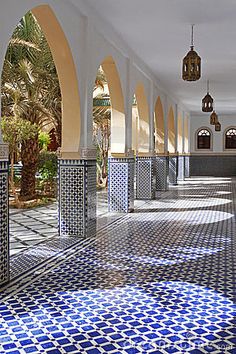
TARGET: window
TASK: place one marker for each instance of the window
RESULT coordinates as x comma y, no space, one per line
204,139
230,138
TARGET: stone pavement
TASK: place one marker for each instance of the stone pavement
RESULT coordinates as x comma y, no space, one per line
157,281
29,227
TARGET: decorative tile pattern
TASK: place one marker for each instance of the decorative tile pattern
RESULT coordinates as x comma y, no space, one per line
4,228
159,281
162,168
145,178
77,197
186,166
121,184
173,169
180,168
91,198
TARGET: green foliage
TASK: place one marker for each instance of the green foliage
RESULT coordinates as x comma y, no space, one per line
17,130
44,140
47,166
30,86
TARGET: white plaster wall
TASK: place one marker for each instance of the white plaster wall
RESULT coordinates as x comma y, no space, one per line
197,122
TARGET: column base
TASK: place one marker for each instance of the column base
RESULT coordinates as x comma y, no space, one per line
77,197
4,224
173,170
181,168
162,166
145,177
121,184
186,166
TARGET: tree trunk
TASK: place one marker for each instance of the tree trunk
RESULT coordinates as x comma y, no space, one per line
104,164
12,183
29,157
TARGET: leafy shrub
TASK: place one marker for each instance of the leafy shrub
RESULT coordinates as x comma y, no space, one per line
44,140
47,166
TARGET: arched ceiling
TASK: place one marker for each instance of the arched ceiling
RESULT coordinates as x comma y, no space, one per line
158,31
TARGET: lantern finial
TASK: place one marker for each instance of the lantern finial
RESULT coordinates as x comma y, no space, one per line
192,37
191,70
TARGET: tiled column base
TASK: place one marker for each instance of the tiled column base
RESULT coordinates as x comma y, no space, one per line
186,167
145,178
181,168
77,197
173,169
162,166
4,224
121,184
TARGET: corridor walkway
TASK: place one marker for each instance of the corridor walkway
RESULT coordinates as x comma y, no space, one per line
160,280
31,227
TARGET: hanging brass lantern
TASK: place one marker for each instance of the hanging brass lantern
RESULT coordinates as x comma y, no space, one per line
213,118
191,70
218,127
207,101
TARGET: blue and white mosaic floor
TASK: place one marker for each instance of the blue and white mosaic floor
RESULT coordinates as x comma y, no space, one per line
160,280
30,227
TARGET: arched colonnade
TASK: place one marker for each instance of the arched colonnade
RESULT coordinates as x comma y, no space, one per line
143,140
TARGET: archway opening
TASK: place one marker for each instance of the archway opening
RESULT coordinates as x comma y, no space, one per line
186,135
108,125
143,132
117,105
135,125
171,131
159,127
102,136
39,99
180,133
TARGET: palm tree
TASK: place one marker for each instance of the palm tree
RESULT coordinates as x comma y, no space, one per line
29,75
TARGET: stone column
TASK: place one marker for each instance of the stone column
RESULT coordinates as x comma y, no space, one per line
77,194
4,216
180,167
162,167
187,166
145,177
173,169
121,183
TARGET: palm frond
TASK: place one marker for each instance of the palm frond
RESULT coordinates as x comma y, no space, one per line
22,42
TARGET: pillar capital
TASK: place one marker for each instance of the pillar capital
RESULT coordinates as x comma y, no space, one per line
82,154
